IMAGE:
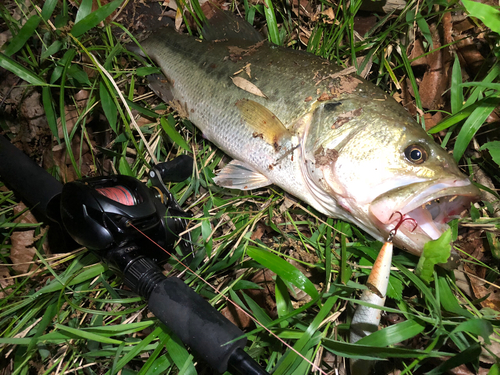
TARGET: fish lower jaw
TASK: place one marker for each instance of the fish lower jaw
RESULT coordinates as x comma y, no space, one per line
426,220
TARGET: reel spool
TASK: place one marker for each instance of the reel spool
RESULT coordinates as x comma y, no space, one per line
119,194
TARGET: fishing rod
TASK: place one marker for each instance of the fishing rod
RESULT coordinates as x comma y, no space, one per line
127,224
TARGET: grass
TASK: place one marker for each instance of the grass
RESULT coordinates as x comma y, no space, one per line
69,314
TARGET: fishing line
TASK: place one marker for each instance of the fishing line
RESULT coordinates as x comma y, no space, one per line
315,367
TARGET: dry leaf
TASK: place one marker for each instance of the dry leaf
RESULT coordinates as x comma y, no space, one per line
5,37
247,70
22,250
248,86
437,77
259,231
4,282
178,19
329,13
236,316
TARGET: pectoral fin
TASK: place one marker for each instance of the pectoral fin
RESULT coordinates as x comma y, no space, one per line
262,121
238,175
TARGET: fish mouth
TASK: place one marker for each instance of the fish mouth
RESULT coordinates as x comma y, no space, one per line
431,205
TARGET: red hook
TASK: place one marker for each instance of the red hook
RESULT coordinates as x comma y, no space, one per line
402,219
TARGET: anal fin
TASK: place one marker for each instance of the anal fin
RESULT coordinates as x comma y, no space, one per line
238,175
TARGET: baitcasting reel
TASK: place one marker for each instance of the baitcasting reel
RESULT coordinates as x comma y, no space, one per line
97,212
102,214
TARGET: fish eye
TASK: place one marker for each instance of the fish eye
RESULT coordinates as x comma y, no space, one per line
416,154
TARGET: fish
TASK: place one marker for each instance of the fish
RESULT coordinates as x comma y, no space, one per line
318,131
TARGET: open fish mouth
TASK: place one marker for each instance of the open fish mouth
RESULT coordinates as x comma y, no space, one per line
431,204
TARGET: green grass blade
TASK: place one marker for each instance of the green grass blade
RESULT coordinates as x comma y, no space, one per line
393,334
49,314
84,10
20,71
24,34
486,13
457,96
448,300
48,106
155,365
272,24
468,355
87,335
108,106
120,329
257,311
147,70
424,29
48,8
471,126
285,270
182,359
94,18
302,343
137,349
478,92
366,352
465,113
51,50
427,293
479,327
283,302
168,126
487,85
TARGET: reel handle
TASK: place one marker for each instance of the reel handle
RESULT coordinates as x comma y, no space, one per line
176,170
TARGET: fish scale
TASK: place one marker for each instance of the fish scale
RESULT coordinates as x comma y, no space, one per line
202,83
330,138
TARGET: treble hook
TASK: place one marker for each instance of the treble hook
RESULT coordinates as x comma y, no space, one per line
402,219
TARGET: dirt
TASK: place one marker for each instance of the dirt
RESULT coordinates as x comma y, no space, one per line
344,118
325,157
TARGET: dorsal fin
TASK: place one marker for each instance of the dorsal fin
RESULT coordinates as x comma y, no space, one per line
225,25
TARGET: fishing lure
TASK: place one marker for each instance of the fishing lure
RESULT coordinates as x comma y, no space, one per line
366,319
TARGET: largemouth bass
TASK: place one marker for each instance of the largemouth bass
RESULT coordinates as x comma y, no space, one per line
319,132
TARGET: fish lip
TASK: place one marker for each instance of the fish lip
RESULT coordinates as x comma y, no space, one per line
454,195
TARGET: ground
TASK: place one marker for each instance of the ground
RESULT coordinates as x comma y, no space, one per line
62,312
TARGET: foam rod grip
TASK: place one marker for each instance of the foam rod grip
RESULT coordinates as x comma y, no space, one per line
199,325
35,186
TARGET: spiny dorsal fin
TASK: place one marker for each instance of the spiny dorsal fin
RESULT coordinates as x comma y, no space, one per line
225,25
262,121
238,175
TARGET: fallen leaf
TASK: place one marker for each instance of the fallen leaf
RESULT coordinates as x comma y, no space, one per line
248,70
178,19
236,316
4,281
248,86
22,250
259,231
436,79
329,13
417,52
